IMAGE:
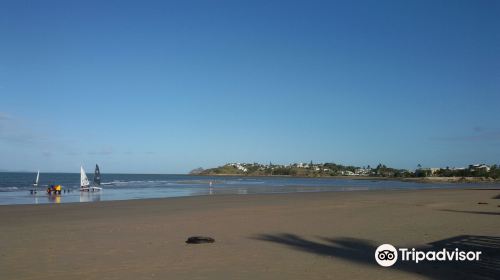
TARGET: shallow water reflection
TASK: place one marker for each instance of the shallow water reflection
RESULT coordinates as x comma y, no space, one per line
54,198
90,196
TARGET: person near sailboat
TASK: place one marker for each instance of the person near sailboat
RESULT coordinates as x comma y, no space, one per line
85,185
54,189
51,189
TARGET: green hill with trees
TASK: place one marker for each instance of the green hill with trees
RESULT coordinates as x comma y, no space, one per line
332,169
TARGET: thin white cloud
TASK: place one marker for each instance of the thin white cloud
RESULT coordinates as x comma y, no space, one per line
19,133
14,131
105,151
4,116
479,134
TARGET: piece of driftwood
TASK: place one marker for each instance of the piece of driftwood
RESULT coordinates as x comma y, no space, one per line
199,240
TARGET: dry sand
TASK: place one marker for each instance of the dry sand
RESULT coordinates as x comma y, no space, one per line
273,236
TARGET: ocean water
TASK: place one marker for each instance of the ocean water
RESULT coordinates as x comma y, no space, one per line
15,186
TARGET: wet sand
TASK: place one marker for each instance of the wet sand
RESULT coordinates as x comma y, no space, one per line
272,236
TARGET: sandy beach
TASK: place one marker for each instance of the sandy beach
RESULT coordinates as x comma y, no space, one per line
273,236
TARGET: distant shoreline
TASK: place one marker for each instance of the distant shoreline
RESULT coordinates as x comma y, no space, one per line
461,180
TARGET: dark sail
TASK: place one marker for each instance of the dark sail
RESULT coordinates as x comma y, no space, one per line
97,176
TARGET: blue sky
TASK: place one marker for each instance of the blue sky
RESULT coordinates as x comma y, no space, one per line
168,86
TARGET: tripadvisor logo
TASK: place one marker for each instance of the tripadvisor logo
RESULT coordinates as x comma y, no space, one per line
387,255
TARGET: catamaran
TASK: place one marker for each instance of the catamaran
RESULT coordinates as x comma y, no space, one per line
35,183
85,185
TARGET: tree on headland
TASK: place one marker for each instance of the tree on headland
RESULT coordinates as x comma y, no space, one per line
494,172
196,171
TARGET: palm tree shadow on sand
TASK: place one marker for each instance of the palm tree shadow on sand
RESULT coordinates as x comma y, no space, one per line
472,212
362,251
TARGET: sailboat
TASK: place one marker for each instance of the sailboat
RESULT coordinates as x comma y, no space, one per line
85,185
97,176
35,183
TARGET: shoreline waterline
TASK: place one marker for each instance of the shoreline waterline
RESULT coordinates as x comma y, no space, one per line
15,187
247,195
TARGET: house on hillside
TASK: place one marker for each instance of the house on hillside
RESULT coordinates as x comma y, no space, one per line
479,167
427,171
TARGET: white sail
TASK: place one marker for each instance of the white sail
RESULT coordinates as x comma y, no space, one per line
37,177
84,181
